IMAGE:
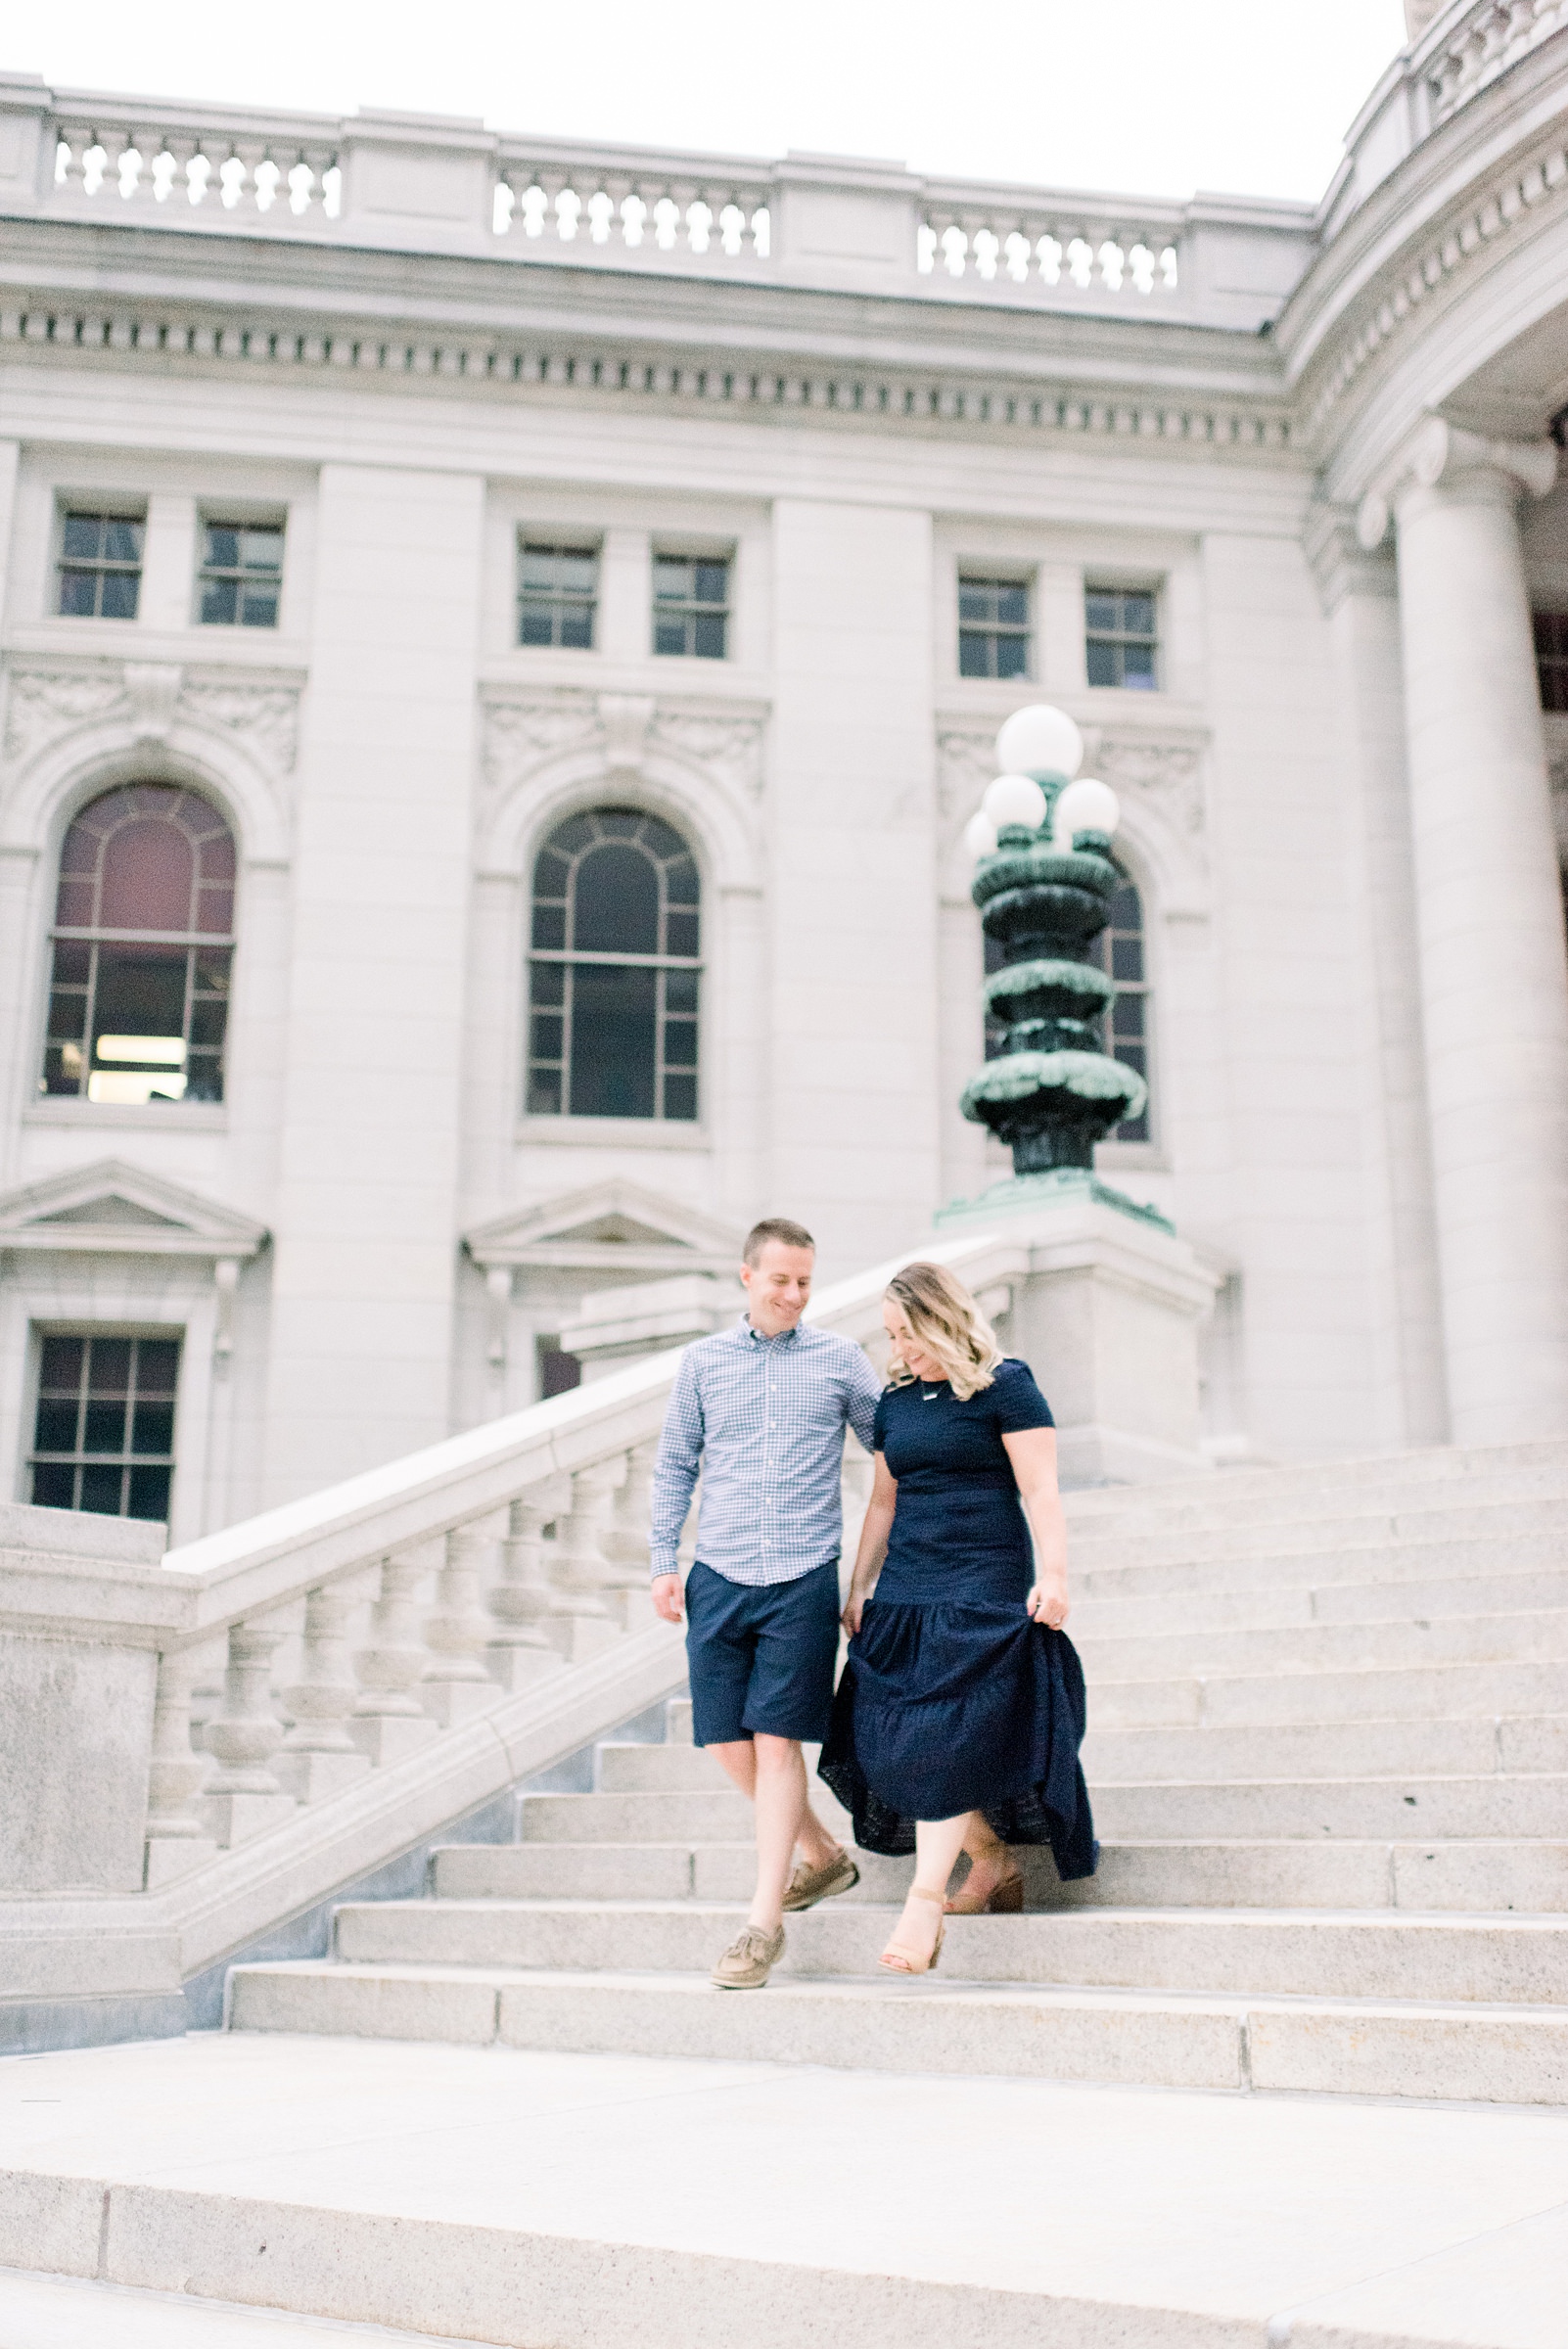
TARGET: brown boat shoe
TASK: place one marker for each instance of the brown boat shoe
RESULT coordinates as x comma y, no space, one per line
808,1885
749,1959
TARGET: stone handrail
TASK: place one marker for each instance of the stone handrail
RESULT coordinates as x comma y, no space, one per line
428,184
283,1666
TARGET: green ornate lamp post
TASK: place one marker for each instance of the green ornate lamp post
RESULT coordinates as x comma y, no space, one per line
1044,882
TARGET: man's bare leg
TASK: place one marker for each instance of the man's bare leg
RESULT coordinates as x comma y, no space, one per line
817,1846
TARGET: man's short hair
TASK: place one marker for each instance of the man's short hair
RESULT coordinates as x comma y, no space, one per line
775,1227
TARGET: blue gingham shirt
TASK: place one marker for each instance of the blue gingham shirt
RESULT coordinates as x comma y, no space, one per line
763,1420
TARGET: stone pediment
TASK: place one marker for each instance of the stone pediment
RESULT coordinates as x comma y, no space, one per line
610,1225
119,1210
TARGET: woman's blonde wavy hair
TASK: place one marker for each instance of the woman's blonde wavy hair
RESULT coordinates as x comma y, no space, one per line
946,1323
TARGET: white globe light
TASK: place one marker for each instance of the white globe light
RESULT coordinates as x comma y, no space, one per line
1015,800
1041,741
979,835
1086,806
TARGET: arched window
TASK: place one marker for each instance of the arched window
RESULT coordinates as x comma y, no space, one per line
1119,953
615,970
1122,956
141,948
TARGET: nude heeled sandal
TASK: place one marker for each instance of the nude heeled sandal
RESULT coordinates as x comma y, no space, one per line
900,1958
1005,1899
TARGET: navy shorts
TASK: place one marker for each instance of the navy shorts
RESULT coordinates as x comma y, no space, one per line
762,1658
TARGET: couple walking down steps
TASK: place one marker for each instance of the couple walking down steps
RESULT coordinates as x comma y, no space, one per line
958,1720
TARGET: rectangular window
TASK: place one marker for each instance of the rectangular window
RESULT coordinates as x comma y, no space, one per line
993,628
557,595
100,564
1121,639
1121,955
241,574
1552,658
691,606
102,1434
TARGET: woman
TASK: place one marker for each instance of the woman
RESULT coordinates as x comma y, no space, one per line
959,1713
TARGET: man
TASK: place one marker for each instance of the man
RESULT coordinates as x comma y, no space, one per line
760,1409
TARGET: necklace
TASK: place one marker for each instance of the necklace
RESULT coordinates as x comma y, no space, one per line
929,1393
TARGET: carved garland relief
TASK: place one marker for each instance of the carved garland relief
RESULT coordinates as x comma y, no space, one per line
521,736
149,698
1166,776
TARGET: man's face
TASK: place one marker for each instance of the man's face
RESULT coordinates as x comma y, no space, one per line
777,1286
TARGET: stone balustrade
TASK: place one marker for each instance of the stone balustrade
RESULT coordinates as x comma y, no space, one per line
441,187
1464,50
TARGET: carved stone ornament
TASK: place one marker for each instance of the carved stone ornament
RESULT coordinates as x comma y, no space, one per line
1168,774
729,749
966,761
149,698
520,736
267,717
44,703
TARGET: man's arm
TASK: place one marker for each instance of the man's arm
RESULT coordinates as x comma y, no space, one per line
675,1476
863,1394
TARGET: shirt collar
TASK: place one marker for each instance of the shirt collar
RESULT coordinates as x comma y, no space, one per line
746,1329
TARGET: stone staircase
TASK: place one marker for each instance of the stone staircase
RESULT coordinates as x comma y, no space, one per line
1328,1751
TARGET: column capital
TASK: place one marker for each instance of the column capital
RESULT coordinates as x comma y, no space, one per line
1439,452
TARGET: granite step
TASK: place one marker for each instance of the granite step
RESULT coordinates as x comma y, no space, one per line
1327,1647
1273,1607
1314,1486
1512,1745
1260,1804
1515,2054
79,2312
1136,1570
1431,1692
1306,1952
1481,1874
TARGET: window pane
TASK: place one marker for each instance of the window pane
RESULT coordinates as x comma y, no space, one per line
158,1365
974,655
260,607
1101,610
672,578
122,541
54,1486
713,583
149,1493
82,536
680,1097
670,637
1012,656
536,626
78,594
617,903
612,1028
119,594
549,984
1138,615
1012,605
680,991
549,1030
56,1428
709,636
108,1366
141,994
545,1093
1137,666
1102,667
153,1427
60,1364
680,1044
149,873
105,1429
681,928
549,926
1126,958
102,1490
576,627
219,603
974,600
222,547
681,879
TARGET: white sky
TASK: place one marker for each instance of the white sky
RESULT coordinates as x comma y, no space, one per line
1150,97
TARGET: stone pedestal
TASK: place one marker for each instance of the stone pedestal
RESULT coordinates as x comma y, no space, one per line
1107,1316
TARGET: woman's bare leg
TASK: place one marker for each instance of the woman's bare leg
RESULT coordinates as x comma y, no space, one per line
938,1843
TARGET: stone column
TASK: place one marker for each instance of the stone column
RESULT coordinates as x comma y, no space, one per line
1490,927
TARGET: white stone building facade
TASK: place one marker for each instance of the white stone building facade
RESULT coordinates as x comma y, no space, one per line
384,501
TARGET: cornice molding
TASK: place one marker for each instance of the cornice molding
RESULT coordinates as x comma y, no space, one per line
825,390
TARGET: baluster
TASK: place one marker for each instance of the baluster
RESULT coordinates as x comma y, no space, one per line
388,1720
75,138
177,1839
318,161
457,1686
185,150
243,1798
624,1540
521,1651
582,1625
318,1757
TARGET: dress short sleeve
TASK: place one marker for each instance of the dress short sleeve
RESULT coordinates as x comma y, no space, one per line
1017,1402
879,1427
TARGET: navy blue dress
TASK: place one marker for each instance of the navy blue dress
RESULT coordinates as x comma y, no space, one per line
951,1698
